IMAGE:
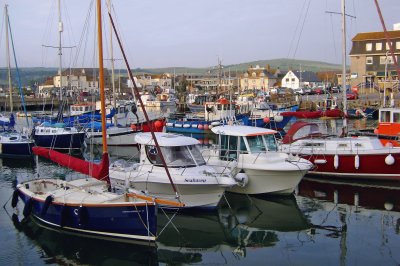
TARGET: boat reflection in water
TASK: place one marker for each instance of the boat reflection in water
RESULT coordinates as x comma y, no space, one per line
220,237
67,249
370,195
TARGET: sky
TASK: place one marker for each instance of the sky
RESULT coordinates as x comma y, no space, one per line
190,33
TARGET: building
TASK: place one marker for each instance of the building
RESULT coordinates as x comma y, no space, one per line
257,78
74,81
371,60
297,79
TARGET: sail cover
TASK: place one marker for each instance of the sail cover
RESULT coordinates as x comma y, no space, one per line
98,171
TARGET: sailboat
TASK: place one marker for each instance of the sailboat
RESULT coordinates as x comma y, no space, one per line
59,135
13,144
85,205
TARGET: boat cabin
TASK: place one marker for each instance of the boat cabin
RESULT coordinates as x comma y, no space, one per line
389,122
178,151
82,108
236,140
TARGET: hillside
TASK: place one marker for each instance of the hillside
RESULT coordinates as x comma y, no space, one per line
38,74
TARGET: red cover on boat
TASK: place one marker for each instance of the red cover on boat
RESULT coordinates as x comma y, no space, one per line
335,113
98,171
303,114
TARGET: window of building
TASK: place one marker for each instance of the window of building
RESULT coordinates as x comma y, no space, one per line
292,79
398,45
253,74
382,60
369,60
287,80
368,46
378,46
387,46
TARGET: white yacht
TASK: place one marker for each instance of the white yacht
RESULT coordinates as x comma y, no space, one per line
258,167
197,184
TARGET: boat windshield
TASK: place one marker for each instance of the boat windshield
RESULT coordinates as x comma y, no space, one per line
179,156
258,143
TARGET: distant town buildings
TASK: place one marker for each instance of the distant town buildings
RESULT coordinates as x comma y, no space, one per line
297,79
257,78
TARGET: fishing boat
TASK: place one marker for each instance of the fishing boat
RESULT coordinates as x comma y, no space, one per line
162,100
85,205
257,165
197,184
346,157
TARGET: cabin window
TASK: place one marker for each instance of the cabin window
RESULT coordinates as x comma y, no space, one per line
385,116
228,149
13,138
271,142
342,145
179,156
396,117
314,144
53,131
47,130
256,144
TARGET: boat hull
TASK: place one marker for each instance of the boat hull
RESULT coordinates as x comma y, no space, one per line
125,221
371,166
64,141
269,182
123,137
16,150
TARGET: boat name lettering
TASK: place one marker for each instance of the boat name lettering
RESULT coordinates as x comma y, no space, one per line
192,180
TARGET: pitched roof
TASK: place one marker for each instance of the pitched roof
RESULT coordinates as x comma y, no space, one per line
306,76
364,36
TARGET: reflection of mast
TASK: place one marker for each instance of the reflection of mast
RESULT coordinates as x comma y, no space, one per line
343,238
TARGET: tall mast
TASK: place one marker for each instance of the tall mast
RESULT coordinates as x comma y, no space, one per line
101,79
8,58
344,66
60,30
112,66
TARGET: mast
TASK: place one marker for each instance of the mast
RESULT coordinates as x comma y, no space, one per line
60,30
344,66
101,79
8,58
136,91
112,66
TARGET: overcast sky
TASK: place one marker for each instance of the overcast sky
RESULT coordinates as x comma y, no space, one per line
190,33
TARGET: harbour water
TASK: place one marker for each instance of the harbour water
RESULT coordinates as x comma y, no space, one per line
331,222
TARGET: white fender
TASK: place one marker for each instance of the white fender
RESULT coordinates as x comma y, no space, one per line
186,125
169,124
389,160
320,161
357,161
215,123
178,125
242,179
278,118
194,125
336,161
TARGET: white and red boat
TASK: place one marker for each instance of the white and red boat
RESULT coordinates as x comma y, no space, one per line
346,157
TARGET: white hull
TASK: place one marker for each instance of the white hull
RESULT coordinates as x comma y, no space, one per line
115,137
268,181
195,190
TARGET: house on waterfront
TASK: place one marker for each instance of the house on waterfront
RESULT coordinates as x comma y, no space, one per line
257,78
74,82
296,79
369,57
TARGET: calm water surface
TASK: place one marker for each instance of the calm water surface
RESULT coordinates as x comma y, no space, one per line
330,222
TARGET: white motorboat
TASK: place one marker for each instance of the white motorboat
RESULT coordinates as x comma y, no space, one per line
197,184
258,166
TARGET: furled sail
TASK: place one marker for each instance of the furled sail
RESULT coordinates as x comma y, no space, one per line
98,171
